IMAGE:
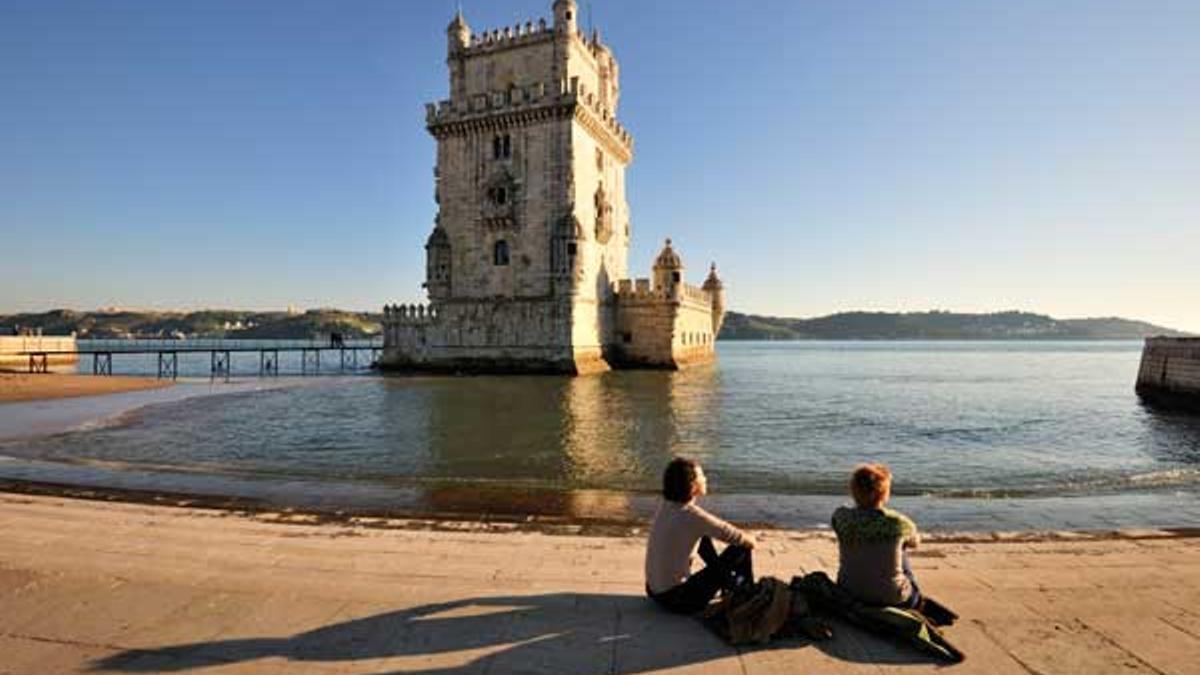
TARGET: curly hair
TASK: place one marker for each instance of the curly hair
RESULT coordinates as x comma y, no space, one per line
870,483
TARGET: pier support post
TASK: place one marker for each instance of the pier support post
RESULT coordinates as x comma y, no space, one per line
352,361
168,365
310,357
102,363
268,363
220,365
39,363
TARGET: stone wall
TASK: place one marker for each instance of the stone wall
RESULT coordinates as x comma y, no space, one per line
11,346
1170,372
693,339
520,335
657,330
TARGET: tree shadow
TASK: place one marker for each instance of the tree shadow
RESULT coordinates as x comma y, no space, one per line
556,632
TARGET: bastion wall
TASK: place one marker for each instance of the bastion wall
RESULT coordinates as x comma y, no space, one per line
1170,372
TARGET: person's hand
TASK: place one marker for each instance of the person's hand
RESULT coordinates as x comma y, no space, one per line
749,541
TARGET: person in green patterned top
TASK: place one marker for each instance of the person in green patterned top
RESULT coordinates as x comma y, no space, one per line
873,540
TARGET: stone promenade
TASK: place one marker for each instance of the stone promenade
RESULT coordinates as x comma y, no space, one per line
105,587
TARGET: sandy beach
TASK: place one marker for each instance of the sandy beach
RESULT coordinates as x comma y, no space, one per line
119,587
31,387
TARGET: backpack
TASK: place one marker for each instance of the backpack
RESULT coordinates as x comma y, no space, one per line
752,614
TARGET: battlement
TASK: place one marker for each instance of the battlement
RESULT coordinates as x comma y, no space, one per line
637,290
568,94
641,291
509,37
401,315
696,294
521,34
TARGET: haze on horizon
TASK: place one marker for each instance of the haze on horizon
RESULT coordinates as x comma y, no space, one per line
975,156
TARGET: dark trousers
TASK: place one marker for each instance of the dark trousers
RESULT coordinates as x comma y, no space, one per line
733,566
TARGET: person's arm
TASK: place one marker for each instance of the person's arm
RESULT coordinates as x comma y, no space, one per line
709,525
909,536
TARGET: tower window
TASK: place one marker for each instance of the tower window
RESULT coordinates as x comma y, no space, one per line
498,195
507,146
675,277
571,248
500,253
497,147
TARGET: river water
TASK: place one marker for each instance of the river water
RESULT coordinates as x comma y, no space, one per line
1024,434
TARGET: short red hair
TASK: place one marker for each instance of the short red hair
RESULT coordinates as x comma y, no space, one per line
870,484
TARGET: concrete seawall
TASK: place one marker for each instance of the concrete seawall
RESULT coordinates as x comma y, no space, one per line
14,348
1170,372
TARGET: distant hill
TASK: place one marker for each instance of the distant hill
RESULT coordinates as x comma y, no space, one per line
935,326
319,323
313,324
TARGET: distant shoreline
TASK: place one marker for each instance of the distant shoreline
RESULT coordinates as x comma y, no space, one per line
851,325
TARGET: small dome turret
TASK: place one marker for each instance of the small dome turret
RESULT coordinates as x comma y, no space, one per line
458,33
716,294
713,282
566,16
437,238
668,271
668,259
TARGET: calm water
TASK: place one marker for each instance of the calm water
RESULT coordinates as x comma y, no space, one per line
1010,419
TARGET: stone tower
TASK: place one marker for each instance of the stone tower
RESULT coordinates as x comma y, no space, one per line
532,229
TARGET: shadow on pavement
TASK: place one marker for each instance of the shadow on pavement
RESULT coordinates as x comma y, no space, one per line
557,632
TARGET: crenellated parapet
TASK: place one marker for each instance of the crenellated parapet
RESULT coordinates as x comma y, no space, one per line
508,37
415,314
635,291
641,291
518,106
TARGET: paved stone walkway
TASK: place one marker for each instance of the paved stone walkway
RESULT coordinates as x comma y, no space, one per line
89,586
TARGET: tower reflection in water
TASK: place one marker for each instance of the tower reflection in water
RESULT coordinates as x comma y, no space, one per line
579,448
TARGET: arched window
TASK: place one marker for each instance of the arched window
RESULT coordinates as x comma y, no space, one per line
500,253
507,146
497,147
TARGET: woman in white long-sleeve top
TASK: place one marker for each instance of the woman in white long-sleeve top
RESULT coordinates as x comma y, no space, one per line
680,531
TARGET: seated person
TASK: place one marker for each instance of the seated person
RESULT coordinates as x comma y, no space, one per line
680,530
872,543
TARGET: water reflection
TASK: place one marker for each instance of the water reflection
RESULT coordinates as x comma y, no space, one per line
766,420
1172,435
572,446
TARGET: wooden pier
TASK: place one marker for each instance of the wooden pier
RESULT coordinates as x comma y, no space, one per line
346,356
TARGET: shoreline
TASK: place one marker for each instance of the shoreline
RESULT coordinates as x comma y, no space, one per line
482,521
25,387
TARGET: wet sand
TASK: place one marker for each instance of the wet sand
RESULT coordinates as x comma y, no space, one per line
120,587
34,387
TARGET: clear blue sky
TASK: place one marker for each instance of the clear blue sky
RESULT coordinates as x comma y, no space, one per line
830,156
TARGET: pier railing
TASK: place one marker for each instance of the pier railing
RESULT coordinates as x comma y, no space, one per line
351,355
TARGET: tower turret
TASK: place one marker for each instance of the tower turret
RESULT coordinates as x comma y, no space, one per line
458,33
437,264
668,271
716,291
565,16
